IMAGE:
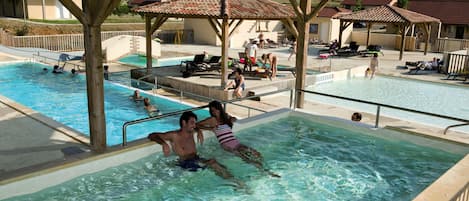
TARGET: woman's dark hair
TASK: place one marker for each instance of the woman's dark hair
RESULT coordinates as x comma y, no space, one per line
239,71
186,116
223,116
375,55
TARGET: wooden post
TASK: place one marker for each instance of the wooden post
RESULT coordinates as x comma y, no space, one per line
94,86
427,33
224,51
341,29
403,34
148,43
368,26
302,52
91,17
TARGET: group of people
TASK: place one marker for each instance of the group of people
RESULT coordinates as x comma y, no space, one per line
251,54
220,123
150,108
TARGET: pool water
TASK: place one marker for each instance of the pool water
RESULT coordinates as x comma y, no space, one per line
141,60
316,161
63,98
423,96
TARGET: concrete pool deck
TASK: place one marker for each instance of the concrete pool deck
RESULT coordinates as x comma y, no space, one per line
23,153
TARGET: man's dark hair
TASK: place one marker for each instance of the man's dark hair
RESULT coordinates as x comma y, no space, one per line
186,116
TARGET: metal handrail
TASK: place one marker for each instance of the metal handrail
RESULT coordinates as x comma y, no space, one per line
137,121
389,106
73,64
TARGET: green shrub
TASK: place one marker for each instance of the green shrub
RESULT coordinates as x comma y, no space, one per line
22,31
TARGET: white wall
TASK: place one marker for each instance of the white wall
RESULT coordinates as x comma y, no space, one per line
119,46
204,33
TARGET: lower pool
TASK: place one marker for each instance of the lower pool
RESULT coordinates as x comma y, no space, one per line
317,160
141,60
430,97
63,98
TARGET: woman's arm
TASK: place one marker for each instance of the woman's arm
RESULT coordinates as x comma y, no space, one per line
207,124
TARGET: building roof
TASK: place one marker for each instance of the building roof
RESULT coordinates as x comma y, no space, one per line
234,9
448,11
141,2
388,14
367,2
332,12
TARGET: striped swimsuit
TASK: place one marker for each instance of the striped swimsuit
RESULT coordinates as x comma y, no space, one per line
225,137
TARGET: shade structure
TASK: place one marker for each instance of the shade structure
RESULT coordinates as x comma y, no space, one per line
232,9
214,10
390,15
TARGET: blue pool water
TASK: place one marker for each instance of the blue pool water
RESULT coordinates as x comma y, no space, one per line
316,161
141,60
63,98
423,96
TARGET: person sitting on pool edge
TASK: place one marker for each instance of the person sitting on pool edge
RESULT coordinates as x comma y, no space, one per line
136,96
220,123
237,84
152,110
183,145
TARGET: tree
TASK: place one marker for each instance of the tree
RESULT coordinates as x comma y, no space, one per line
358,6
402,3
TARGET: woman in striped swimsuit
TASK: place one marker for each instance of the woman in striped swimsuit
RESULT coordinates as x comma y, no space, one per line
221,123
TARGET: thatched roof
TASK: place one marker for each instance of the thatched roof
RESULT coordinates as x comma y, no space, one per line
388,14
233,9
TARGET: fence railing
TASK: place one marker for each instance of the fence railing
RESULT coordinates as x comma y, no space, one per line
75,42
450,44
463,194
379,105
457,63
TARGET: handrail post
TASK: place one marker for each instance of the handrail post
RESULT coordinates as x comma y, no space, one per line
249,112
181,93
377,116
124,135
291,97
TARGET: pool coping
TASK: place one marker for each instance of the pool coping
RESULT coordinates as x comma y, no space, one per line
136,150
47,121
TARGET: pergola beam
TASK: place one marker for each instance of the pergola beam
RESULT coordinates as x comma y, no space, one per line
215,27
343,25
404,29
233,29
290,26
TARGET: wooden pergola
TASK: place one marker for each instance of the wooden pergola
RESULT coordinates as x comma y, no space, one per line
93,13
389,15
231,13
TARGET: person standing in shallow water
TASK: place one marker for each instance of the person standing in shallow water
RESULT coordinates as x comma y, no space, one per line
373,65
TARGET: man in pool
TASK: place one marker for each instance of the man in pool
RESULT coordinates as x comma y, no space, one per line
183,144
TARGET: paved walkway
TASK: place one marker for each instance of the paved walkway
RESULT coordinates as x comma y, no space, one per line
27,143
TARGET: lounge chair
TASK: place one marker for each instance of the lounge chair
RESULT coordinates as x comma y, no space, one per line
191,66
212,64
371,50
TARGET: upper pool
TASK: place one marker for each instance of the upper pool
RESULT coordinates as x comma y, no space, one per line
430,97
317,160
141,60
63,98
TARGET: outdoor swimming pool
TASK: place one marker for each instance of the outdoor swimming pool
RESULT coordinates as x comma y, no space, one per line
317,159
141,60
418,95
63,98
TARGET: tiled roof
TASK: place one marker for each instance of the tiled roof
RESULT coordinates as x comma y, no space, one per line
367,2
449,12
388,14
331,12
235,9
